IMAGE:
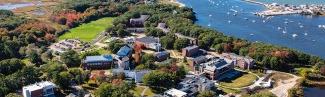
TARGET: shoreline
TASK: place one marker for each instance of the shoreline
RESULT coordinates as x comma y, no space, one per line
175,2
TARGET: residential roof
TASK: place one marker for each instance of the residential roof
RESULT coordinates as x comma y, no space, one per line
38,86
90,59
147,40
124,51
192,83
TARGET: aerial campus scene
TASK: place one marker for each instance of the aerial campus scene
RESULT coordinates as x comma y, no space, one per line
162,48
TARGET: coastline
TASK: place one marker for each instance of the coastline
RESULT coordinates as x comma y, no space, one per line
174,2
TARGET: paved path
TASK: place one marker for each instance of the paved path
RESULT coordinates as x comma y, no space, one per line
144,91
282,89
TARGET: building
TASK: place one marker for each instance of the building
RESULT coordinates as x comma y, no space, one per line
68,44
174,93
243,62
190,51
97,62
196,61
41,89
135,75
125,51
135,30
138,22
148,43
163,27
215,68
161,56
194,84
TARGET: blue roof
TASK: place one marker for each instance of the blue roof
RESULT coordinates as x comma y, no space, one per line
98,58
124,51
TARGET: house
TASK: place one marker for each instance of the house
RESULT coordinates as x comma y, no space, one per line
41,89
148,43
161,56
97,62
190,51
215,68
193,41
139,22
243,62
196,61
163,27
123,57
174,93
194,84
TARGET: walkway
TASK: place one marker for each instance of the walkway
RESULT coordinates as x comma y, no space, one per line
144,91
282,89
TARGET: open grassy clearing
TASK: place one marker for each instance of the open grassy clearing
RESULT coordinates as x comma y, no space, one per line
87,32
242,81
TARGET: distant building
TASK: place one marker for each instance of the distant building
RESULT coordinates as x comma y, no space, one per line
215,68
190,51
148,43
41,89
136,75
240,61
161,56
174,93
97,62
135,30
138,22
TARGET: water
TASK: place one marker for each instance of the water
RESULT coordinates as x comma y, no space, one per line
294,31
11,6
294,2
313,92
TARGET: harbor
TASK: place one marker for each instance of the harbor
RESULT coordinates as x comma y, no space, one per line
236,18
274,9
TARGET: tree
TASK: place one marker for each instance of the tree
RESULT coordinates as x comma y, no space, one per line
47,56
180,43
148,61
89,53
10,66
70,58
167,41
13,95
119,90
159,80
29,75
63,79
115,45
219,48
207,94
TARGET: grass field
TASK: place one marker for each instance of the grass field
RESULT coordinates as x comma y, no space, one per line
242,81
87,32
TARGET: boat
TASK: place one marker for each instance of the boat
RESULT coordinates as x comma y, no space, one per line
229,21
305,34
253,21
228,13
285,30
294,35
264,21
286,22
246,18
210,15
251,34
301,26
279,28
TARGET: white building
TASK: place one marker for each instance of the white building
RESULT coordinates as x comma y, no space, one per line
174,93
41,89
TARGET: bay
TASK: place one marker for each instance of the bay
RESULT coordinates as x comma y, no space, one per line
236,18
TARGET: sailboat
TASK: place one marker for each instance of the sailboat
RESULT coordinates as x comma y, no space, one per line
285,30
294,35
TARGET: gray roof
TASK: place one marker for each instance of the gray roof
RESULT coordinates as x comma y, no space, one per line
191,47
147,40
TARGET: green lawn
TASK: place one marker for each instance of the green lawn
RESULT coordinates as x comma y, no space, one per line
139,89
242,81
87,32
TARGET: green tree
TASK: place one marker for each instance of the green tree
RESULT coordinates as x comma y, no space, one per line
70,58
109,90
63,79
115,45
167,41
159,80
180,43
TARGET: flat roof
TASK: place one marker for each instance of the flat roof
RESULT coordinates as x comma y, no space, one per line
38,86
98,58
176,93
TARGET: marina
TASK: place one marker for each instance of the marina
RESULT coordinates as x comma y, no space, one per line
236,18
